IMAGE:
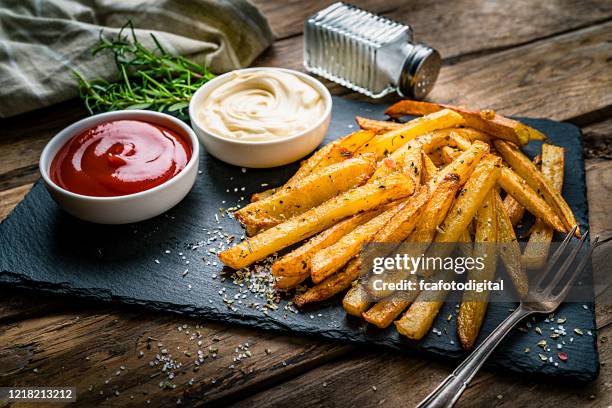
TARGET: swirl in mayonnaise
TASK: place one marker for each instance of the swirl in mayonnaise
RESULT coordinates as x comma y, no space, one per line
261,105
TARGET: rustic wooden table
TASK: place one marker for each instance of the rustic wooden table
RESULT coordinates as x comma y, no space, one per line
550,59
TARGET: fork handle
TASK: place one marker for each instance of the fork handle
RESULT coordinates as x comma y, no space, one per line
449,391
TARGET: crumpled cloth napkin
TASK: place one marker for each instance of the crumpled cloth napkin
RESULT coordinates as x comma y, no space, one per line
43,41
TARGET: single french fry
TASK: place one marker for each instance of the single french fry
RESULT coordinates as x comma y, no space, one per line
407,161
307,193
377,126
536,251
294,267
510,251
296,229
516,186
429,168
449,154
331,153
459,141
514,209
474,304
328,260
386,143
536,180
385,311
330,286
486,121
356,300
417,320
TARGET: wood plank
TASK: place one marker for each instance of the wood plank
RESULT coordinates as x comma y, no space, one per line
10,198
393,379
598,140
98,351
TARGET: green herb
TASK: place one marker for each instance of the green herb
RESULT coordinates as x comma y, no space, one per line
148,79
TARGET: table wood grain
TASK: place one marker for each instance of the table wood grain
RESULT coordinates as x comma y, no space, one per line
550,59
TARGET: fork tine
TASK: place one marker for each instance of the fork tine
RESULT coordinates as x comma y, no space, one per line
555,257
583,263
567,263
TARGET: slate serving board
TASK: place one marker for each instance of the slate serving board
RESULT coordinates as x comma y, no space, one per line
44,249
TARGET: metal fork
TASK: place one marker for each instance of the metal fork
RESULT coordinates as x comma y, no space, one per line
539,299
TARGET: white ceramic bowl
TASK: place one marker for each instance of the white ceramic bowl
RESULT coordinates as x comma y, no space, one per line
128,208
261,154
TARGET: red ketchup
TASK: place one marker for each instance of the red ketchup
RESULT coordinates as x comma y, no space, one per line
119,158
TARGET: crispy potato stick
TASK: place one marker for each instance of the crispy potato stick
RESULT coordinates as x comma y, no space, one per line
536,180
419,317
486,121
449,154
445,189
510,251
429,168
514,209
330,286
385,311
307,193
293,268
436,157
472,134
474,304
356,300
536,251
331,153
377,126
514,185
360,199
459,141
330,259
386,143
407,161
466,239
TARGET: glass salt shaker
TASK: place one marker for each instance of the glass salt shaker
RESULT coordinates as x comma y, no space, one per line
367,53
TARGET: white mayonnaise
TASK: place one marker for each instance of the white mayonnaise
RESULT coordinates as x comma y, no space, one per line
261,105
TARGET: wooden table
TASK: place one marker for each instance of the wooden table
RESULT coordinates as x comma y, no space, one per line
549,59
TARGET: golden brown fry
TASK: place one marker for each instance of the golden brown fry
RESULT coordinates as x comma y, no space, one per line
407,161
536,251
449,154
417,320
436,157
459,141
307,193
386,143
536,180
330,259
331,153
429,168
514,185
296,229
474,304
486,121
356,300
382,313
514,209
377,126
293,268
330,286
510,251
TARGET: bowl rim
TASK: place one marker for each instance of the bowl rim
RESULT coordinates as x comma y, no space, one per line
218,81
63,136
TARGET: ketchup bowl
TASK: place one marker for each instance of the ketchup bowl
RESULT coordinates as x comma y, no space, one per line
133,201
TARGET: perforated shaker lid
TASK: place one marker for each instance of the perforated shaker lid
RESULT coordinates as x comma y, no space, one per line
419,72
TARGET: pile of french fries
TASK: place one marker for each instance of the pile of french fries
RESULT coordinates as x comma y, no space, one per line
427,180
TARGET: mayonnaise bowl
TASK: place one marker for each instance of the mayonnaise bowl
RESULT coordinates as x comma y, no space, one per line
261,117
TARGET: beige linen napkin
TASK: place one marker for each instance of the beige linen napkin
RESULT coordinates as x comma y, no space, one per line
42,41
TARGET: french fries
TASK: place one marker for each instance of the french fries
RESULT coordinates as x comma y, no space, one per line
474,304
330,286
293,268
417,320
510,251
296,229
536,251
331,153
307,193
386,143
420,187
520,190
486,121
534,177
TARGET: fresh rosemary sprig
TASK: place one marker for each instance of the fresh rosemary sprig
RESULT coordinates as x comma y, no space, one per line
148,79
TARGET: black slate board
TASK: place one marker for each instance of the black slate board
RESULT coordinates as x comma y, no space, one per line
45,249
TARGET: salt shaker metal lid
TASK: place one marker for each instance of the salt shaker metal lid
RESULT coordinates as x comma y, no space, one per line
419,72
